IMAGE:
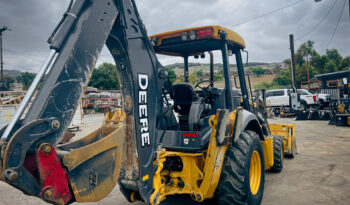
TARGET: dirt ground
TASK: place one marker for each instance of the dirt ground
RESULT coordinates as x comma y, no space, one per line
320,174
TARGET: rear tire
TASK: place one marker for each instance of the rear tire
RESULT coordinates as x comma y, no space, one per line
243,172
278,154
276,112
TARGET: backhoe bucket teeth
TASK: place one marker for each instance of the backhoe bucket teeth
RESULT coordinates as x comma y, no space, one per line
94,161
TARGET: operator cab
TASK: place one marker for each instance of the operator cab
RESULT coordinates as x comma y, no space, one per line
193,104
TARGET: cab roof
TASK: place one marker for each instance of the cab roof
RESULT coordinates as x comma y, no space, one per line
193,41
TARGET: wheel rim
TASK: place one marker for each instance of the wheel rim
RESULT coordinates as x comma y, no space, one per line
255,172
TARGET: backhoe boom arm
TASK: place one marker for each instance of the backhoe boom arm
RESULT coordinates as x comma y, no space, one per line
76,45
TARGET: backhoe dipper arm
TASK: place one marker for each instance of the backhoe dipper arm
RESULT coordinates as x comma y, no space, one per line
28,150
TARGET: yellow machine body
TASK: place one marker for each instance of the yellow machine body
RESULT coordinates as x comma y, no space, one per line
287,131
201,171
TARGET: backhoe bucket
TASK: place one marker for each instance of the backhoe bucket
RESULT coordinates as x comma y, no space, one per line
94,161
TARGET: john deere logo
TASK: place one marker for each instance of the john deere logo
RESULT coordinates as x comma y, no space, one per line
143,86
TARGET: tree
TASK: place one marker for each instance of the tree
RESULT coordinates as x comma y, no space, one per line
258,71
105,77
283,79
318,64
9,79
219,76
26,79
267,86
192,78
345,65
330,66
335,56
199,73
305,51
287,61
171,75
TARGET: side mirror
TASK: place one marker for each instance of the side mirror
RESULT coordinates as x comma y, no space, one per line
247,56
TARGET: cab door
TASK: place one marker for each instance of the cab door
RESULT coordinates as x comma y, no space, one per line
278,98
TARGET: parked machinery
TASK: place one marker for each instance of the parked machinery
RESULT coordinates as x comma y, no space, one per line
202,145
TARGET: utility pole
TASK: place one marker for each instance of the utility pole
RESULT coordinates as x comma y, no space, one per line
308,71
291,42
4,28
294,100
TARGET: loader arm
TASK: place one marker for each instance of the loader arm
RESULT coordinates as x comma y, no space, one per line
28,145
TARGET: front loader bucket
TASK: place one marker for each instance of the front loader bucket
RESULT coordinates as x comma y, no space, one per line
287,132
94,162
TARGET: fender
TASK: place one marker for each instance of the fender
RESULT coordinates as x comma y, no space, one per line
251,122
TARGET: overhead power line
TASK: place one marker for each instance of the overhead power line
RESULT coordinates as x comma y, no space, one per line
34,58
267,14
315,27
19,67
336,27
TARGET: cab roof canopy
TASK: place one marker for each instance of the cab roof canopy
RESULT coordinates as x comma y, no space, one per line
193,41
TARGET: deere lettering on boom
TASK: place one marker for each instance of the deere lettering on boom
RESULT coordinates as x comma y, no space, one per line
207,144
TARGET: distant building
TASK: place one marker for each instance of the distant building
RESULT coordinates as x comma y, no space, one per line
18,87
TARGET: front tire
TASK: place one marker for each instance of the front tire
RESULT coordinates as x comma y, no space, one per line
278,154
243,172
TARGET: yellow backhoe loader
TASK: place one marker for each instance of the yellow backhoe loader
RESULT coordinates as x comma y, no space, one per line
203,144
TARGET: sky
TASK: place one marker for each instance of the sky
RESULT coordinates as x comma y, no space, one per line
264,24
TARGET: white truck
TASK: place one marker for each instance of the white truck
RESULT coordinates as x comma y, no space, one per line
280,97
323,100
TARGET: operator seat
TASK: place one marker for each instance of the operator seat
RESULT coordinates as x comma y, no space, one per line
183,95
189,106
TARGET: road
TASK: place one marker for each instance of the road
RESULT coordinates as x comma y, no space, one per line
318,175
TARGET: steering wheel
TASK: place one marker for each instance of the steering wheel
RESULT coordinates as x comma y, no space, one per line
206,90
203,88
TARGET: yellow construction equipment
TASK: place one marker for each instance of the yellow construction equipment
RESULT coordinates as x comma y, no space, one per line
168,139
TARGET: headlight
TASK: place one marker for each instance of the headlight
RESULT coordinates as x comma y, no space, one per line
184,36
192,35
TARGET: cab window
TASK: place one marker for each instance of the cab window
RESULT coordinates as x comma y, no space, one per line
278,93
269,94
